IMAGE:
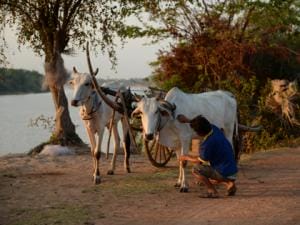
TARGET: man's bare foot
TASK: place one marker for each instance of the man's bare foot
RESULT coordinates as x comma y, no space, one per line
214,181
231,188
213,191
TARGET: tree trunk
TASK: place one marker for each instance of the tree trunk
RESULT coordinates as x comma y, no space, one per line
64,132
56,76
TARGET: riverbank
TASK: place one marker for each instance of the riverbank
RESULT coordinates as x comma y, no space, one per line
59,190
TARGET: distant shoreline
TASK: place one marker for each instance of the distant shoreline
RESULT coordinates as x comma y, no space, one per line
22,93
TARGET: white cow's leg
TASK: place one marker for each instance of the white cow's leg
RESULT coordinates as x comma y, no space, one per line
126,146
126,158
116,148
93,147
183,186
178,183
184,150
97,155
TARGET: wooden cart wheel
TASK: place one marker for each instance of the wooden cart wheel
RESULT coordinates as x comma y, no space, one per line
159,155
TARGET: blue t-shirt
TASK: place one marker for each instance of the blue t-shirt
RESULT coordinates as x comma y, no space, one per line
218,151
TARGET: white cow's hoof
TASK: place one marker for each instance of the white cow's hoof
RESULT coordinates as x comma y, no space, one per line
97,180
177,185
184,189
110,172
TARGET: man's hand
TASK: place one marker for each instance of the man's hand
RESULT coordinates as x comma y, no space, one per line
182,118
183,158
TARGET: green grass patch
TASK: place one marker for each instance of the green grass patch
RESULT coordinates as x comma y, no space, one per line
61,214
137,184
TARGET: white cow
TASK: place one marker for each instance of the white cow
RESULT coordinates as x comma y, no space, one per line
159,118
96,115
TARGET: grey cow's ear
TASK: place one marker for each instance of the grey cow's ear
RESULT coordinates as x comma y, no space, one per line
166,108
164,112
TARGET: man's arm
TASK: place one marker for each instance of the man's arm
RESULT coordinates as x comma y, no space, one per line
193,159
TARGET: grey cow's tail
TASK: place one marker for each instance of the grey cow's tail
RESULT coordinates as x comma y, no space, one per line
237,139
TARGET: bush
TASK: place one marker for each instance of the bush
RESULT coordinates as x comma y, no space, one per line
251,94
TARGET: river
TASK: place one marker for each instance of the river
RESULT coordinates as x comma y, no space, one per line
16,112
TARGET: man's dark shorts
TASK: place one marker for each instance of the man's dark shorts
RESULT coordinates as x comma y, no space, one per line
208,172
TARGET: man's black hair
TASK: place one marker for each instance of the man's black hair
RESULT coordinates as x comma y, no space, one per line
200,125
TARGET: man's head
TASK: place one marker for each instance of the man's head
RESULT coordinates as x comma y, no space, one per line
201,125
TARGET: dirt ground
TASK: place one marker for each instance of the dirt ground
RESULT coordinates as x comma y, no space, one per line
59,190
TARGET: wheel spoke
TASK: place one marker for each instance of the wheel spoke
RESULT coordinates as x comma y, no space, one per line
153,143
160,153
164,152
156,151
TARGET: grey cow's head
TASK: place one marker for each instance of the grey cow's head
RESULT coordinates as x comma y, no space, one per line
152,110
82,87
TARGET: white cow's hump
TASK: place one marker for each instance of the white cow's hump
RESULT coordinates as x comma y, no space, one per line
175,94
178,90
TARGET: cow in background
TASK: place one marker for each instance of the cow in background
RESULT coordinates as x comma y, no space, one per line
96,115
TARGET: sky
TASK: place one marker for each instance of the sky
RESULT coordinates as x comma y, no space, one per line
133,59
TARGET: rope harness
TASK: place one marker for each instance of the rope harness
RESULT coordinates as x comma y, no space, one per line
96,102
95,106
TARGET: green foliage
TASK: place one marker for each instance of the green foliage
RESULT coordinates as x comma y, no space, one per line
51,27
174,81
232,45
139,184
246,93
14,81
3,59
